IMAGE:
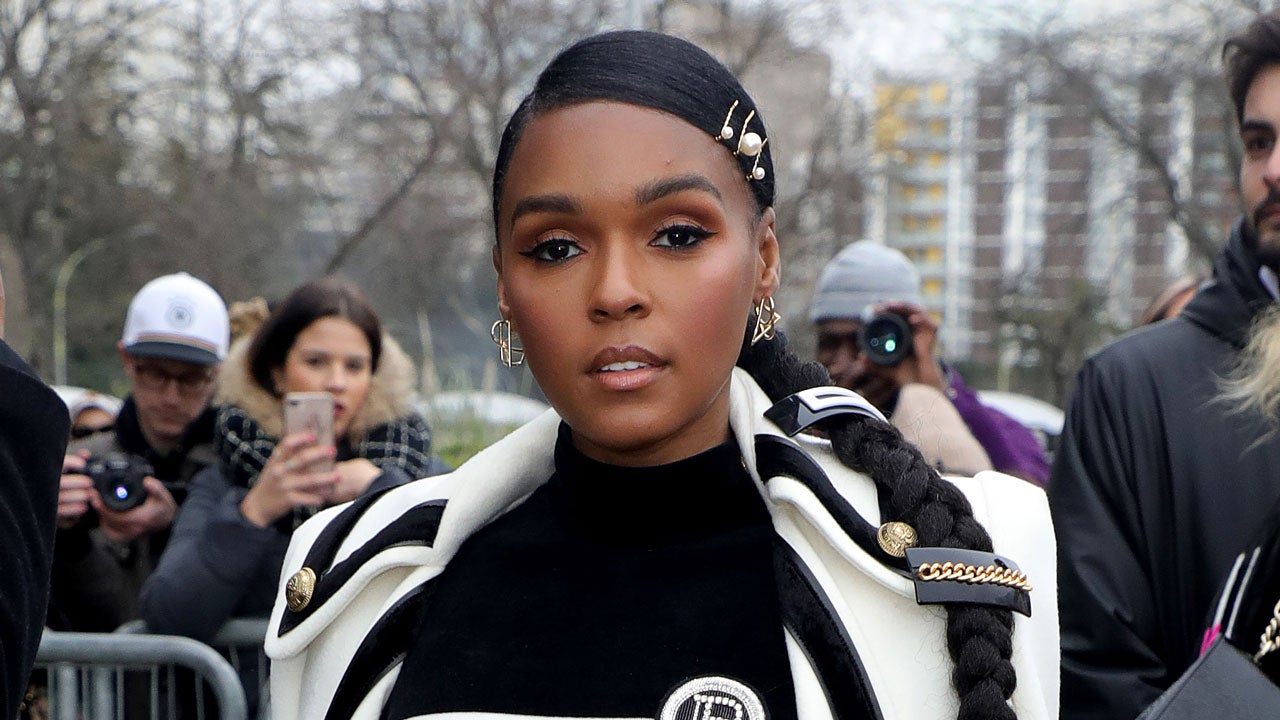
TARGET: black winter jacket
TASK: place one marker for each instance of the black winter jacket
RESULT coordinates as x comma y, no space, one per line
1155,490
96,580
33,437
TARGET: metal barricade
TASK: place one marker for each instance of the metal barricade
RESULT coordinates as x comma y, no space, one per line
239,641
90,675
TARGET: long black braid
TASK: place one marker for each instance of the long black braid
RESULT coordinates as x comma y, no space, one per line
979,639
672,75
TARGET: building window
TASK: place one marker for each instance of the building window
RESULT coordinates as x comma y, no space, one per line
936,159
938,93
932,287
934,223
936,191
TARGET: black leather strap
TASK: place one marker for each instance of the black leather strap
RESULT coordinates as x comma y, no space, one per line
418,526
808,614
947,592
385,646
778,457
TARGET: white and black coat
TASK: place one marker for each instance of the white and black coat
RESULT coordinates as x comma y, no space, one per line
859,643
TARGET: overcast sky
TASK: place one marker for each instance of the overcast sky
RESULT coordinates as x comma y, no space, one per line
918,36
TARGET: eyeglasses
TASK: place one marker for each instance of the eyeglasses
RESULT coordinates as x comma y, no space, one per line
79,432
152,377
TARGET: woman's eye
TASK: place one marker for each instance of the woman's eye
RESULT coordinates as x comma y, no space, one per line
315,362
681,236
554,250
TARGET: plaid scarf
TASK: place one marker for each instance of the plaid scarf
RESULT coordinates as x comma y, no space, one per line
243,448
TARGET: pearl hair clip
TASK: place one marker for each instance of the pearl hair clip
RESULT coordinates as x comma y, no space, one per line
749,143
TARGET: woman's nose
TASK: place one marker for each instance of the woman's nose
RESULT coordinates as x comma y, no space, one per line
336,379
617,291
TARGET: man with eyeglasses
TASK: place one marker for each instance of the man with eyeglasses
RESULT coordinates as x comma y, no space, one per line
175,336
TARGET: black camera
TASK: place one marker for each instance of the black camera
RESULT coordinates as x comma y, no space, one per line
118,479
885,338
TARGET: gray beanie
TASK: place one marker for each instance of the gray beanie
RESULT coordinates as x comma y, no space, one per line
863,273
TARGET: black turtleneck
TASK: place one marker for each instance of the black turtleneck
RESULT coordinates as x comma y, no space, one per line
603,592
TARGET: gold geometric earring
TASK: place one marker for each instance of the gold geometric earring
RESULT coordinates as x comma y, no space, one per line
512,356
766,319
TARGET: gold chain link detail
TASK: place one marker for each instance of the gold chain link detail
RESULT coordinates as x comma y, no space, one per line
975,574
1268,642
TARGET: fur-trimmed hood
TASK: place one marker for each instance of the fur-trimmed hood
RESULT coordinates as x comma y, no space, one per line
391,392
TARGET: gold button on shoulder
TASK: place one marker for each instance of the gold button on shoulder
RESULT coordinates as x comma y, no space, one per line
297,592
896,537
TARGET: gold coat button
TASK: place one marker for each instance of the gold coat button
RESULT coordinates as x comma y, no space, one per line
896,537
297,592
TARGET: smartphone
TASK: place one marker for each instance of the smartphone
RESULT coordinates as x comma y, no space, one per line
310,412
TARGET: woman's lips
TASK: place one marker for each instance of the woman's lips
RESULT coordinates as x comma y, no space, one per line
625,368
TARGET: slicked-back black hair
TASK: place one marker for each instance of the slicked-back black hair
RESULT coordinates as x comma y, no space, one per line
1246,54
665,73
650,70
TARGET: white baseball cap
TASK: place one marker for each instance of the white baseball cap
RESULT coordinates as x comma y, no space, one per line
178,317
79,399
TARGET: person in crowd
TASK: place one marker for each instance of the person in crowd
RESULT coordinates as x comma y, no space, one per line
655,545
228,543
34,426
92,412
1172,299
918,393
1157,487
175,336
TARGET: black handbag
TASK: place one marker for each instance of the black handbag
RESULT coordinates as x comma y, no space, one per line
1223,683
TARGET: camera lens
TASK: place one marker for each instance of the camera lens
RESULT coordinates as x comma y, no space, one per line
119,479
886,339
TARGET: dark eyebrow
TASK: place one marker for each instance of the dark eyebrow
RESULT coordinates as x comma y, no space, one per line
545,204
1250,124
658,189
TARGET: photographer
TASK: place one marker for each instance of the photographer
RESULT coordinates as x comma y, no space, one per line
897,369
120,490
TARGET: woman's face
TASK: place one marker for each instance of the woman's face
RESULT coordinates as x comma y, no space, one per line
332,355
629,256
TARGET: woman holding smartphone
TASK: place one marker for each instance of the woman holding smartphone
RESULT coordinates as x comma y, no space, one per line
228,542
657,545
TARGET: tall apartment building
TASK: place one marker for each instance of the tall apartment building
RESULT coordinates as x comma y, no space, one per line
920,199
1013,190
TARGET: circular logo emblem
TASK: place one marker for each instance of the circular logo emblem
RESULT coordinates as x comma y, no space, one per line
712,698
180,315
